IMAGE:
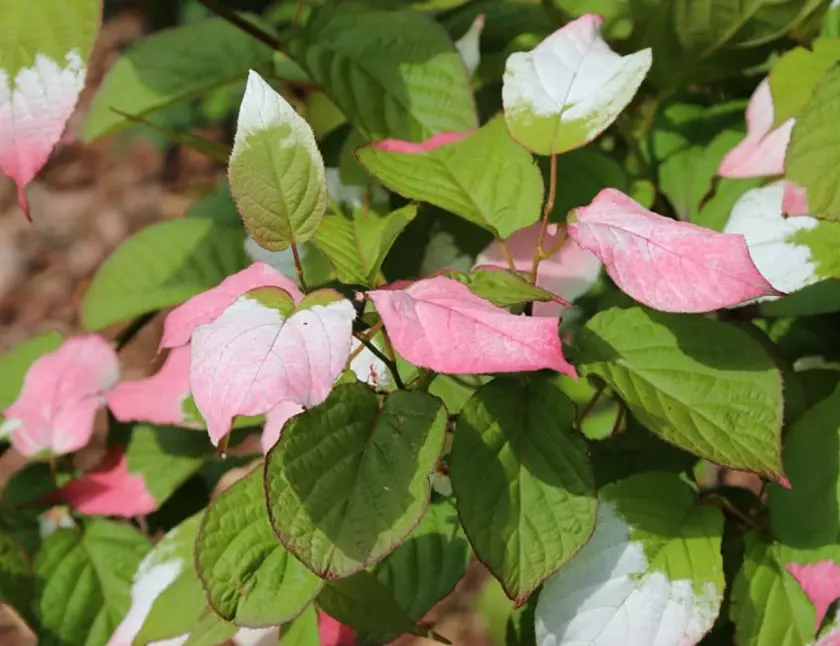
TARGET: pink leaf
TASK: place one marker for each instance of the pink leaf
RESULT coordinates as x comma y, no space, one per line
110,490
207,306
62,390
794,200
821,582
668,265
831,638
332,632
275,420
569,272
254,356
409,147
439,324
762,151
158,399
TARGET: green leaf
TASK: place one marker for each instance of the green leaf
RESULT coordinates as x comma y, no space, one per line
769,607
428,565
815,299
172,66
365,604
160,266
276,172
166,457
16,362
89,572
484,177
377,488
356,245
249,577
702,385
525,489
503,287
813,156
808,513
796,74
216,205
392,73
302,631
652,568
16,580
211,630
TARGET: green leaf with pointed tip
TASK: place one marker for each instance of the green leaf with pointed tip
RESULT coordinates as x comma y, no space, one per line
276,172
808,513
813,156
343,520
653,568
302,631
702,385
89,571
166,457
172,66
249,577
393,73
796,74
428,565
503,287
769,607
368,606
17,583
485,177
211,630
525,489
356,245
160,266
16,362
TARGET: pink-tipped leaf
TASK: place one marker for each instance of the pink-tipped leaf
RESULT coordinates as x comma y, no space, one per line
664,264
62,390
438,323
821,582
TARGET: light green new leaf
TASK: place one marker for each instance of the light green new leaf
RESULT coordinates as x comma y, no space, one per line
376,489
796,74
166,457
808,513
392,73
160,266
249,577
484,177
428,565
703,385
652,573
16,580
503,287
171,66
276,173
521,475
16,362
90,572
357,244
813,156
769,607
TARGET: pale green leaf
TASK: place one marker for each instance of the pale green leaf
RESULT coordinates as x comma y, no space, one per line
428,565
211,630
813,156
16,362
160,266
302,631
376,489
700,384
250,578
652,573
484,177
796,74
90,572
503,287
521,475
392,73
276,173
171,66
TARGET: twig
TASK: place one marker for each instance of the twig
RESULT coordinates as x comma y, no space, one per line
298,11
368,335
298,267
590,404
539,254
506,253
392,365
235,19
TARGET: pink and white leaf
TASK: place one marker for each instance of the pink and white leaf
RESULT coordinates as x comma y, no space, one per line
158,399
821,583
252,358
275,420
664,264
762,151
569,272
438,323
110,490
204,308
62,390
